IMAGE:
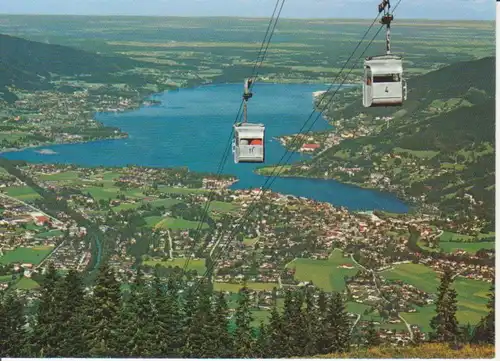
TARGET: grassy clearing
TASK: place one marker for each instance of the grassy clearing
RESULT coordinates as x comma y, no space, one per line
198,264
26,284
165,202
152,221
456,237
126,206
417,153
49,234
418,275
343,154
26,255
178,223
324,273
272,170
225,207
472,294
179,190
105,193
5,279
452,166
23,193
12,136
62,176
250,242
422,317
468,247
110,176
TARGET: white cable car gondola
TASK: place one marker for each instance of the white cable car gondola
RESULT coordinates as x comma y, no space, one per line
248,144
383,83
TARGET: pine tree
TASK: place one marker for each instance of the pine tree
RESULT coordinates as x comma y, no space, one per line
198,342
445,324
294,324
45,337
338,326
190,309
71,323
287,319
261,344
222,338
276,336
103,309
484,332
243,320
323,340
136,334
13,338
166,318
311,323
452,327
466,333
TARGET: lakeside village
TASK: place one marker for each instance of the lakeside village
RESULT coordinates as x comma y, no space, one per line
319,142
139,208
46,117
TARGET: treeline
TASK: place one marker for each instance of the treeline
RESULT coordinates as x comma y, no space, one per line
174,318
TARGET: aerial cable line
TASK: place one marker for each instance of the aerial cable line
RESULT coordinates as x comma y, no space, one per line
274,177
261,55
228,147
250,208
252,205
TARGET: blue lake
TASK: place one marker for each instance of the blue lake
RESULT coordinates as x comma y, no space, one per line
191,128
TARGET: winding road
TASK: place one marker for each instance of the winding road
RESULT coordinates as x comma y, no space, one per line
382,296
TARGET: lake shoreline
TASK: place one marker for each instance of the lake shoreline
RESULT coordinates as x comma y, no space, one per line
333,193
411,206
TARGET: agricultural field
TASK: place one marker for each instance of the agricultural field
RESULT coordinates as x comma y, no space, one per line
62,176
23,193
224,207
33,255
5,279
206,50
26,284
194,264
178,223
455,237
472,294
101,186
325,274
469,247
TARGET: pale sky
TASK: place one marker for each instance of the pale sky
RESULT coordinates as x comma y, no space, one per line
422,9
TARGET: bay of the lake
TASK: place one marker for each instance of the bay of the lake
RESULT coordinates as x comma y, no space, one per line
191,128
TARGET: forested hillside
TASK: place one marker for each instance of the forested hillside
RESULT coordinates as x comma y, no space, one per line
437,149
32,65
155,314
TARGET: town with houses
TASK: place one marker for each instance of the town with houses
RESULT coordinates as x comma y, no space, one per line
153,214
